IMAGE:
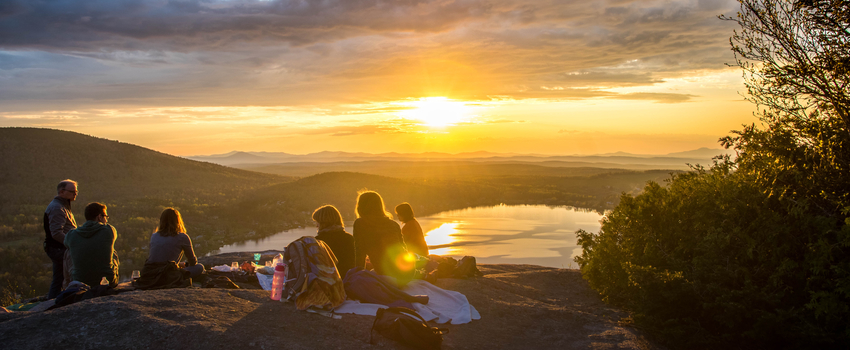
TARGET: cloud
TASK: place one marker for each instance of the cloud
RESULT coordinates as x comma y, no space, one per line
78,53
352,130
655,96
194,24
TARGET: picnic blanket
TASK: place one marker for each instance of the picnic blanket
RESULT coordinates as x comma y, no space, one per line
444,306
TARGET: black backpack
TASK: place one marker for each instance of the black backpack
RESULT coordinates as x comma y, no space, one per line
407,327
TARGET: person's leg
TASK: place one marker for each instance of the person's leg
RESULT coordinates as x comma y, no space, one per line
57,256
195,270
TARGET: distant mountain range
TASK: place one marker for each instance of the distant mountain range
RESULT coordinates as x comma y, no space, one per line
619,159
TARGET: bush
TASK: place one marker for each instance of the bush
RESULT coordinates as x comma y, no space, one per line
713,261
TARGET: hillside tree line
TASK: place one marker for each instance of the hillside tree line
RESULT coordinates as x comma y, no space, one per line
752,252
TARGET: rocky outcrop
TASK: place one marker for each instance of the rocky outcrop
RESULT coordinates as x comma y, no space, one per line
521,306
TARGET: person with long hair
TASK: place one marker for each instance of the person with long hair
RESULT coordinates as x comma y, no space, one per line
377,236
331,230
171,243
411,230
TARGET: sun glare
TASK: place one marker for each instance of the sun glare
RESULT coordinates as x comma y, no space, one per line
442,236
438,111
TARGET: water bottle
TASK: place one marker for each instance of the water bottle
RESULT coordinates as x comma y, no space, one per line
277,281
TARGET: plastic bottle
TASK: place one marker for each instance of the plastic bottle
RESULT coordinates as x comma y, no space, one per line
277,281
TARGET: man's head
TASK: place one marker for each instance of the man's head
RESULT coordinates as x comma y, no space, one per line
67,189
96,212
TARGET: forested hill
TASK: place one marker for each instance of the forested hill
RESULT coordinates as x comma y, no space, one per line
134,182
33,161
222,205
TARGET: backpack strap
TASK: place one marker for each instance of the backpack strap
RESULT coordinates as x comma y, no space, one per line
414,314
406,311
298,271
372,330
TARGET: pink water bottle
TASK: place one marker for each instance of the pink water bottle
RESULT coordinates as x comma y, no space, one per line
277,281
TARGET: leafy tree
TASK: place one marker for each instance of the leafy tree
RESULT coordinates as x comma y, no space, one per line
796,61
755,252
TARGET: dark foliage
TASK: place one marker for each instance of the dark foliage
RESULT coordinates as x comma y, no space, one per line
751,253
713,261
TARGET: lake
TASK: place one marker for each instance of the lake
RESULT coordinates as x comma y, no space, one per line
504,234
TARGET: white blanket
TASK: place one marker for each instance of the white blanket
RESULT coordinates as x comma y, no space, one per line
443,306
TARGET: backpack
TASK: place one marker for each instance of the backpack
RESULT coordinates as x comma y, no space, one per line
407,327
311,275
466,267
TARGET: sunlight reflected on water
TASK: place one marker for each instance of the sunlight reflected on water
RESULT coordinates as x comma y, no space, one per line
521,234
442,235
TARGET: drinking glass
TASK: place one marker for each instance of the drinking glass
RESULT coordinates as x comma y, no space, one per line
257,257
136,274
234,266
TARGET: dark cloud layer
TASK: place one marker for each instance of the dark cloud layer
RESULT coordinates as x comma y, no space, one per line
290,52
192,24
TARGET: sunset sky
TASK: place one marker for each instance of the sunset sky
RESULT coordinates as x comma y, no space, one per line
212,76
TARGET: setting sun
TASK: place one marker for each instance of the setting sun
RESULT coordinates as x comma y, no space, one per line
438,111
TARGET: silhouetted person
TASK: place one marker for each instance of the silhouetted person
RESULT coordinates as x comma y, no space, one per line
331,230
171,243
414,239
92,248
58,221
377,236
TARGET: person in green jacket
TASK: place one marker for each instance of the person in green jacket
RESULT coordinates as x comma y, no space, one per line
92,248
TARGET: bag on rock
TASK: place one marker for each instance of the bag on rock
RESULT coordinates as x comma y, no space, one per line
311,277
407,327
466,267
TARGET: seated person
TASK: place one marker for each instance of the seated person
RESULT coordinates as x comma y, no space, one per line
92,248
171,243
414,239
331,230
377,236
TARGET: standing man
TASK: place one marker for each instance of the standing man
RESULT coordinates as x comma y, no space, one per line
92,248
58,221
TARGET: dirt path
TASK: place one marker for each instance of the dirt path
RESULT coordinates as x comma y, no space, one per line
521,307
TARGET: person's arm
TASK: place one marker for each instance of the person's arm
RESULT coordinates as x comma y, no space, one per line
114,238
419,240
188,251
396,231
56,222
359,248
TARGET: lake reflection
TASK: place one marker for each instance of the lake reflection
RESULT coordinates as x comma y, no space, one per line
504,234
508,234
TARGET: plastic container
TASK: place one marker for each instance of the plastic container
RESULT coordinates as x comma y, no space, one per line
277,281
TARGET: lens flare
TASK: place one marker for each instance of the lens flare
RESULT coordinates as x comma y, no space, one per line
405,261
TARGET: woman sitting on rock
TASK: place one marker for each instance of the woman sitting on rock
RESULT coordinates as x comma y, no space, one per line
414,239
171,243
377,236
332,231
